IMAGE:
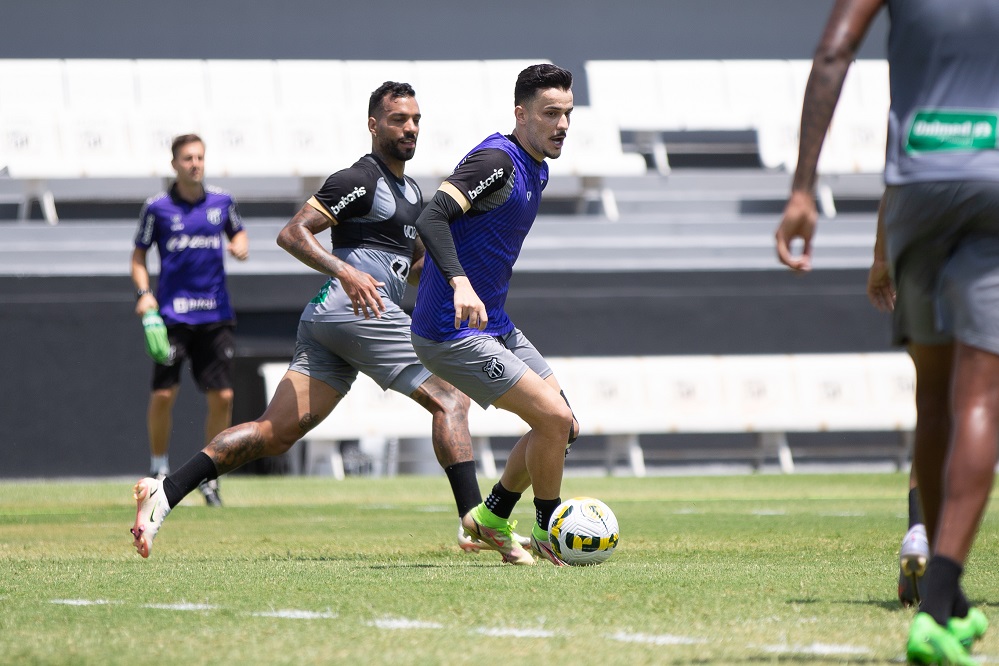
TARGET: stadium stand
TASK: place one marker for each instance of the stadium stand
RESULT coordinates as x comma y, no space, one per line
92,136
262,118
693,105
624,398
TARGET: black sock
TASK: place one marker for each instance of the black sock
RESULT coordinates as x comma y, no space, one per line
464,486
961,604
543,510
501,501
915,513
188,477
942,586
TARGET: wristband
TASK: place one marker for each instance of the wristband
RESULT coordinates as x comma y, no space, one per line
141,292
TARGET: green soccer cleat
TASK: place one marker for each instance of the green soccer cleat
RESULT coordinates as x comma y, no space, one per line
496,533
470,545
929,643
542,548
968,629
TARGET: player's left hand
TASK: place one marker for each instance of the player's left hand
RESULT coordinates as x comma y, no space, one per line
800,217
880,289
239,246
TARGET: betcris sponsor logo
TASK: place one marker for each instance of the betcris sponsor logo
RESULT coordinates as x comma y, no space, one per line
497,174
347,199
183,305
183,242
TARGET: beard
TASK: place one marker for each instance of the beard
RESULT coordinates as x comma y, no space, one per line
403,154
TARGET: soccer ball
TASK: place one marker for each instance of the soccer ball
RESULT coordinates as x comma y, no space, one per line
583,531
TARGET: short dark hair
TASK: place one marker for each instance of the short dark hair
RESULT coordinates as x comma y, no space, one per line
540,77
392,88
181,141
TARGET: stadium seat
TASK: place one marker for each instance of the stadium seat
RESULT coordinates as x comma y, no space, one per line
593,151
31,145
33,84
97,141
695,96
311,119
96,84
760,92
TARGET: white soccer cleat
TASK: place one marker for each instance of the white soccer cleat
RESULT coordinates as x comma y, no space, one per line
470,544
151,509
913,557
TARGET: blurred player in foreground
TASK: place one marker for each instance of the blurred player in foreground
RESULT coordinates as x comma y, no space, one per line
941,235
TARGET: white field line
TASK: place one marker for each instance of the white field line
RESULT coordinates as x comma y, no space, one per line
823,649
81,602
663,639
396,623
183,606
512,632
290,614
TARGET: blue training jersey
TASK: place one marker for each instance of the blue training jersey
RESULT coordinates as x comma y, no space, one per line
191,288
503,183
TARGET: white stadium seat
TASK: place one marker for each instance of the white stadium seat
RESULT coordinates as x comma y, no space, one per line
32,84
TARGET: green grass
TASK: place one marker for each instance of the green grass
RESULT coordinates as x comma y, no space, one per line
723,570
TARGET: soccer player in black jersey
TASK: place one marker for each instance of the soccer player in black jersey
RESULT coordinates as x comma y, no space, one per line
355,322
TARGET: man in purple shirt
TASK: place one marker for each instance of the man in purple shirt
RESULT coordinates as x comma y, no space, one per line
187,225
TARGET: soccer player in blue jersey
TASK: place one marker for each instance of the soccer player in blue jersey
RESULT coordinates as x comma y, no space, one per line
190,225
355,323
473,231
940,237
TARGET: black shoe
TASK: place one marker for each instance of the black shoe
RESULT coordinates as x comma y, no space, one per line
210,489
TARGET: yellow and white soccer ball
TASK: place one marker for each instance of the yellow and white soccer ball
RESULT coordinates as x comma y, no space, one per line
583,531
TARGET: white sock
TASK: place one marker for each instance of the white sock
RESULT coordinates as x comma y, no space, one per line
159,464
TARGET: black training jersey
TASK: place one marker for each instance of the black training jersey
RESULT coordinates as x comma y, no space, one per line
375,232
372,208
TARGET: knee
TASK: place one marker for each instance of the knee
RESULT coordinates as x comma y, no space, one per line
221,398
454,403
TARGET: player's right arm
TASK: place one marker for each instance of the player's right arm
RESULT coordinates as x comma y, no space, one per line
138,269
843,34
298,238
140,277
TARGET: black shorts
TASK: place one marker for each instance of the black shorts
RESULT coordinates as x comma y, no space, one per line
210,348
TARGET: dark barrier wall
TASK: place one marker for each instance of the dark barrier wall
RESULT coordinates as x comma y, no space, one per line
75,377
567,32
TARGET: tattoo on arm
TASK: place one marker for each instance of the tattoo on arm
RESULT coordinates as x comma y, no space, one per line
298,238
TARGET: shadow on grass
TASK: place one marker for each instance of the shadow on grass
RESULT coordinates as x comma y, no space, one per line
885,604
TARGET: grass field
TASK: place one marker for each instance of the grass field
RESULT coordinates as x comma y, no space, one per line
760,569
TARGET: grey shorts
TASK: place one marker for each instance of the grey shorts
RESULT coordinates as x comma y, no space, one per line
943,244
333,352
484,367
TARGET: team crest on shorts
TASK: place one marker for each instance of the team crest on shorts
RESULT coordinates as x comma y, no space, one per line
493,368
